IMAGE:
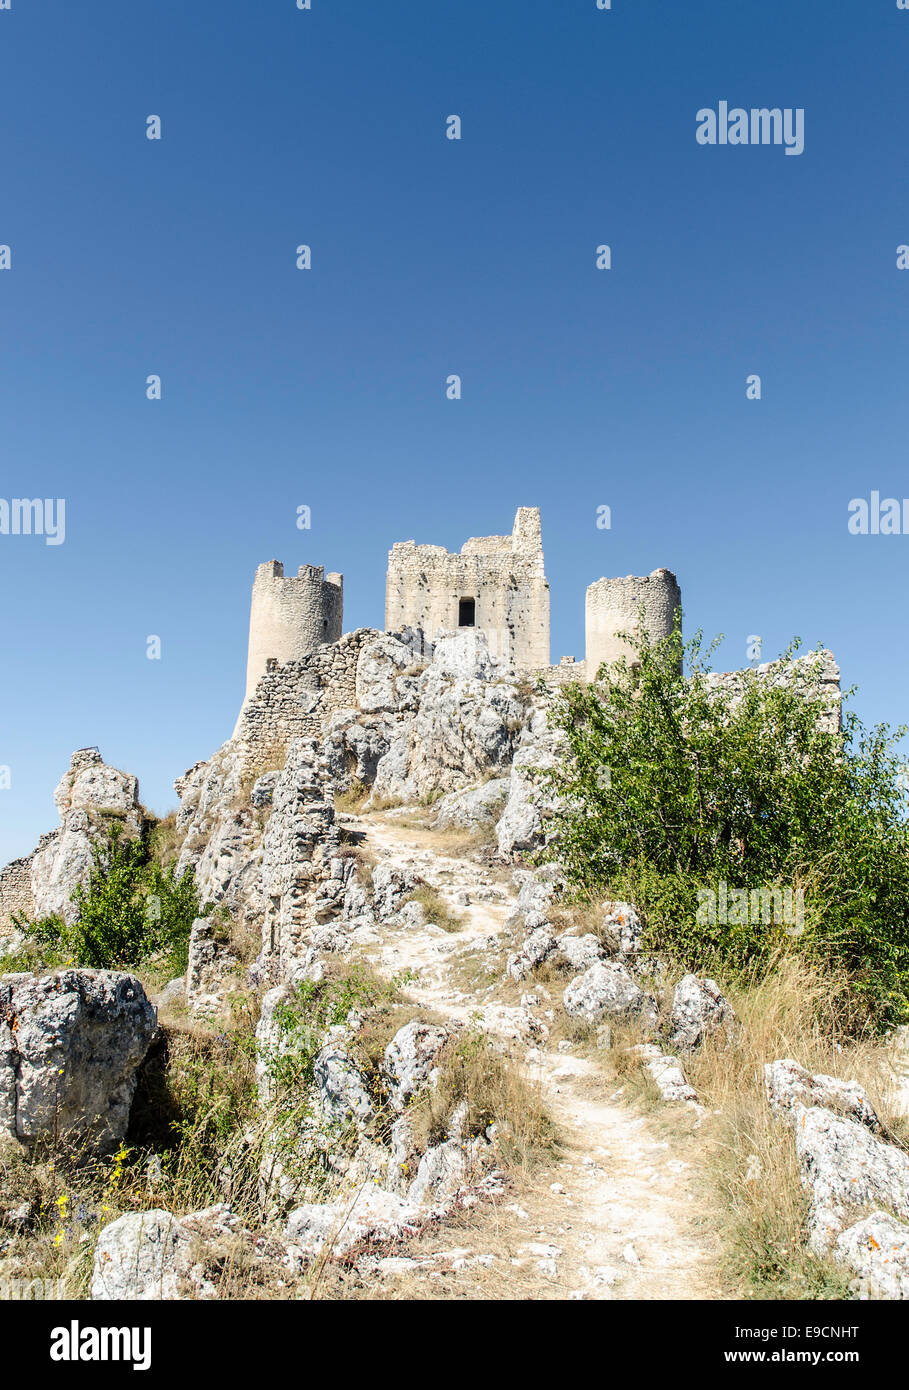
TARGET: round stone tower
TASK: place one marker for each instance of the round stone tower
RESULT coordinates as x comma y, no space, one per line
633,604
290,617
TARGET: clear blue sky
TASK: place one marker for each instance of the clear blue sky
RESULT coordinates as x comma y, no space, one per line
326,388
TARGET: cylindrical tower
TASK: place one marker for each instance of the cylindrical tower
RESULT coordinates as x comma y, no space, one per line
290,617
633,605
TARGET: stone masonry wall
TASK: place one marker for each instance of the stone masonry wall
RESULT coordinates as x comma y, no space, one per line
504,575
294,700
15,892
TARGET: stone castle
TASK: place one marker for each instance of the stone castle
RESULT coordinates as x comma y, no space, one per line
495,585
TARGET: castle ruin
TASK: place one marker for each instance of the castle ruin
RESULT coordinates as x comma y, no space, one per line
291,616
495,585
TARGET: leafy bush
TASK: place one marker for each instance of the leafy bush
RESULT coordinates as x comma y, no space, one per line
672,789
131,911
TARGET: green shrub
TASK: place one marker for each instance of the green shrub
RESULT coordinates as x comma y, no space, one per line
671,790
132,911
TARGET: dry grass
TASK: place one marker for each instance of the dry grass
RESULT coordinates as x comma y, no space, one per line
755,1192
496,1092
435,908
352,801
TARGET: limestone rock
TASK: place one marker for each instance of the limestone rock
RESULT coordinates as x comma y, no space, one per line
463,731
341,1089
64,859
877,1251
472,808
443,1170
380,668
533,952
537,889
70,1044
410,1060
667,1074
845,1169
208,974
699,1011
464,655
370,1215
220,836
622,927
303,875
263,790
607,990
580,951
390,886
143,1256
521,825
787,1084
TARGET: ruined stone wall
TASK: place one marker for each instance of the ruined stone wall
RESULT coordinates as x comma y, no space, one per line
295,700
15,892
567,671
503,575
291,617
815,675
629,604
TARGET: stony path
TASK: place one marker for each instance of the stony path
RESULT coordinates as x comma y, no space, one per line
619,1215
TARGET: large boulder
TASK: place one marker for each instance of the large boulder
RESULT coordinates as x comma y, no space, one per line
472,808
699,1011
607,991
580,951
787,1085
846,1169
70,1044
152,1255
144,1255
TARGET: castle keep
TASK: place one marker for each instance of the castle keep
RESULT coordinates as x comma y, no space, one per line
495,583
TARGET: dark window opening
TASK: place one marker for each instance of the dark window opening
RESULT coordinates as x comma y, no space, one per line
467,611
324,624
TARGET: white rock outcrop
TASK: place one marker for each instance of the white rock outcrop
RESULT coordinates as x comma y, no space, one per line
369,1216
845,1168
410,1060
63,861
787,1085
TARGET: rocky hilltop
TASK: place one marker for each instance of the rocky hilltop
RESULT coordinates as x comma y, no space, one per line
438,1033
